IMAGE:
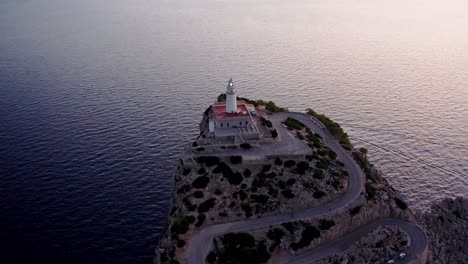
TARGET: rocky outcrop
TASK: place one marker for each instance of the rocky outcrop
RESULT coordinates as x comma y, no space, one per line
447,228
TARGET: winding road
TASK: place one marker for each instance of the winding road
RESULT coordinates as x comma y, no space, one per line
202,242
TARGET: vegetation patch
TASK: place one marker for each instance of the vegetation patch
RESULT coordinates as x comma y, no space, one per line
206,205
201,182
239,248
292,123
333,127
209,161
325,224
236,159
355,210
181,224
310,233
402,205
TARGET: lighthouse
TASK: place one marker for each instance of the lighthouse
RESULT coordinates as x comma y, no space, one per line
231,98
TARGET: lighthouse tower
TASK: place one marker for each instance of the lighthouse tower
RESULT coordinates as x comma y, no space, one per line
231,98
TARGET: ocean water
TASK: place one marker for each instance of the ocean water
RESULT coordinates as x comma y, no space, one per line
98,99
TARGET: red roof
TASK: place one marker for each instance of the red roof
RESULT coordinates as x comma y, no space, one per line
220,111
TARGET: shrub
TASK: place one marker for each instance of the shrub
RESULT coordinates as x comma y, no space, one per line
195,144
318,194
355,210
289,226
212,257
181,224
201,171
180,243
275,234
318,174
209,161
245,146
241,248
224,169
266,168
278,162
370,191
402,205
241,194
198,194
206,205
299,135
292,123
334,128
302,167
247,173
186,171
288,194
201,182
247,209
323,164
236,159
274,133
185,188
235,178
259,198
291,181
331,154
289,163
325,224
200,149
310,233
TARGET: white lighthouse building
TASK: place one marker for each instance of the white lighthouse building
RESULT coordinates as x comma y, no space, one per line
232,119
231,97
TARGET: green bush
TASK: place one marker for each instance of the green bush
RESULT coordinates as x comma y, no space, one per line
224,169
275,234
201,171
289,163
334,128
355,210
402,205
241,248
310,233
209,161
186,171
302,167
288,194
300,136
206,205
236,159
259,198
278,162
198,194
292,123
318,194
274,133
290,226
318,174
370,191
201,182
325,224
245,146
235,178
181,224
247,173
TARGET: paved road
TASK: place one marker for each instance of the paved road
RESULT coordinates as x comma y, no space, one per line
417,237
202,242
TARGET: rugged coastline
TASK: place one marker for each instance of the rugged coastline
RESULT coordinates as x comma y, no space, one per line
224,186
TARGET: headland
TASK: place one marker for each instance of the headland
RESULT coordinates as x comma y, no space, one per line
261,184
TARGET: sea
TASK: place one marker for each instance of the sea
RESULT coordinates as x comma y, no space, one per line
98,99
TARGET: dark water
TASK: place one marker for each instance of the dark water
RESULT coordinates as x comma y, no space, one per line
98,98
